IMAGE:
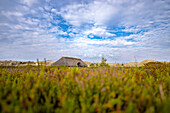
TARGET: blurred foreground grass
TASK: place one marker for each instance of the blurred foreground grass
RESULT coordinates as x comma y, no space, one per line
85,90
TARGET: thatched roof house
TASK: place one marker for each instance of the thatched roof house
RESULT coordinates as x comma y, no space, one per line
70,61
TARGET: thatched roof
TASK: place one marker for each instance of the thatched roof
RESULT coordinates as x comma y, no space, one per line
70,61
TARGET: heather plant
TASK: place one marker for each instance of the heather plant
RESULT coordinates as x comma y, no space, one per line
85,90
92,65
97,64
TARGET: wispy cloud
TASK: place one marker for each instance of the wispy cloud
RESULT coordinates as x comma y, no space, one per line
28,2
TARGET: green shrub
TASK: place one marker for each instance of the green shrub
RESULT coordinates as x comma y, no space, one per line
92,65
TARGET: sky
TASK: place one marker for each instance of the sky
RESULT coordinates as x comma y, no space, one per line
118,30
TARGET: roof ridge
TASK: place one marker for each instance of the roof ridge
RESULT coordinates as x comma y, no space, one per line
71,58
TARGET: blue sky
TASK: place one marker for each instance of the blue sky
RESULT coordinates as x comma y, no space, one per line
118,30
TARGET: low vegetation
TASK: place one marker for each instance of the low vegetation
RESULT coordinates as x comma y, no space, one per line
85,90
103,63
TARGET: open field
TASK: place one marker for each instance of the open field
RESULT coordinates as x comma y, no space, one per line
129,64
24,63
85,90
49,63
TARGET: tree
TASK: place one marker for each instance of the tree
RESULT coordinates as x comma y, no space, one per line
103,63
45,62
104,60
38,62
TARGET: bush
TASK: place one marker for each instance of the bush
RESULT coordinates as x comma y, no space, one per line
92,65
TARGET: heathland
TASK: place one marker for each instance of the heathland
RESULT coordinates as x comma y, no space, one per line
49,63
104,89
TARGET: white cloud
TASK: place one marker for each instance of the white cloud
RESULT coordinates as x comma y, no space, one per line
76,14
110,12
54,10
9,14
47,7
95,12
133,30
29,2
98,31
86,42
98,12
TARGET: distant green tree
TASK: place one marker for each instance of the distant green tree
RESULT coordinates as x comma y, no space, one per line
45,62
38,62
103,63
104,60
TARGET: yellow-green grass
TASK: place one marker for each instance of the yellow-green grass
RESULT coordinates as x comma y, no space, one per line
85,90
